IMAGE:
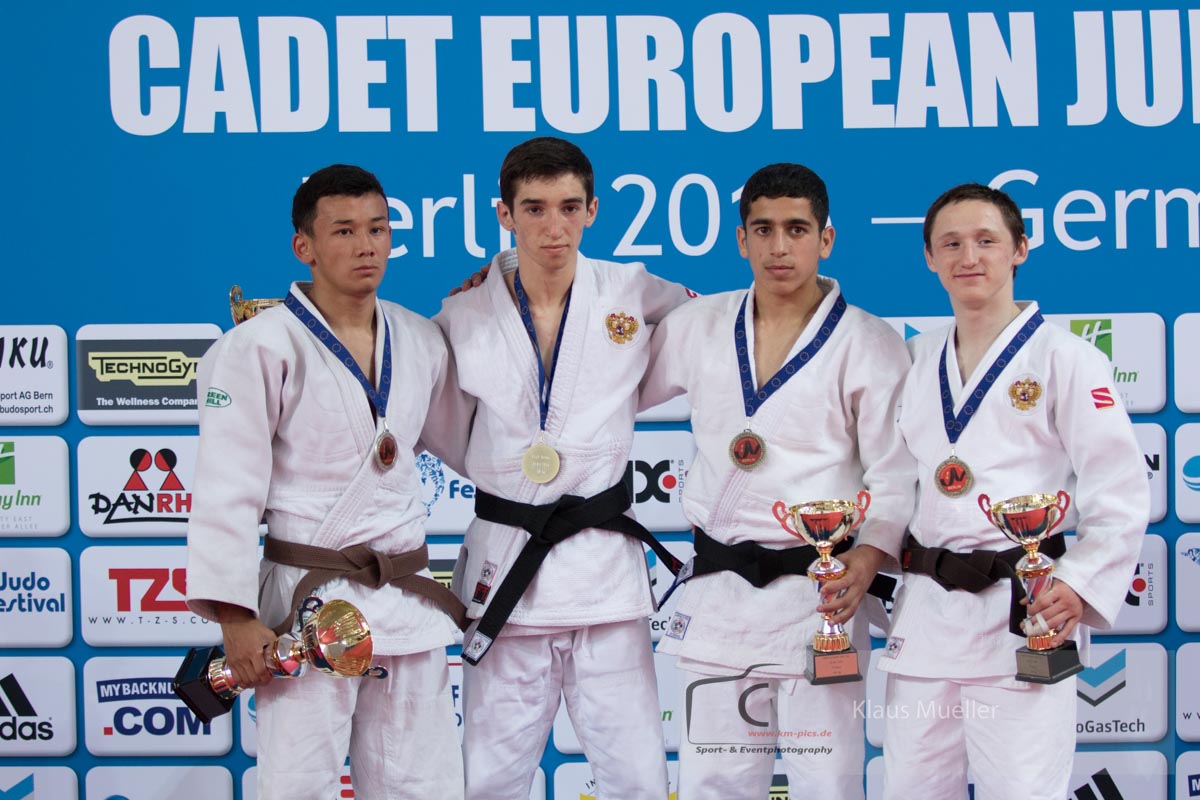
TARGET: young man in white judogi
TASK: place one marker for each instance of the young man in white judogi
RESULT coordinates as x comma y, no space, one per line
553,347
811,383
1000,404
309,415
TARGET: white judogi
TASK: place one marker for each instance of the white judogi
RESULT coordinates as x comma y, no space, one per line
830,432
595,576
295,442
1076,437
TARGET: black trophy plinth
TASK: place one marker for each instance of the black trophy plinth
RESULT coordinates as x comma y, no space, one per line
1048,666
192,686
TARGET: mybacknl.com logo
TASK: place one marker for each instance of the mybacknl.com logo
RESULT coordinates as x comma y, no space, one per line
16,711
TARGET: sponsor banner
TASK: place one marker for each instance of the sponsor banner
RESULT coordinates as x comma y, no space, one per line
661,580
35,480
1187,692
1187,472
1187,775
1122,697
129,709
670,701
37,706
157,783
1187,377
676,409
442,557
655,474
135,485
29,783
1153,441
344,789
140,374
33,375
449,497
247,713
1136,346
908,327
573,781
1118,775
1145,608
35,598
136,596
1187,582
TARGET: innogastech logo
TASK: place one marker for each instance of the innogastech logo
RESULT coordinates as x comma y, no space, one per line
1191,473
21,790
1097,684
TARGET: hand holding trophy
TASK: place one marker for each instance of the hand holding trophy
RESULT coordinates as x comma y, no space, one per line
333,637
1027,520
823,524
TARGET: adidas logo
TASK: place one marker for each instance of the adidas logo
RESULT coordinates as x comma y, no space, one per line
14,714
1101,782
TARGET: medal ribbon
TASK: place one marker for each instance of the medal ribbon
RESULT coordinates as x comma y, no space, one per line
753,399
956,425
377,398
544,381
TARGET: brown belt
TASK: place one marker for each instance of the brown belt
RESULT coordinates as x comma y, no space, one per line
361,564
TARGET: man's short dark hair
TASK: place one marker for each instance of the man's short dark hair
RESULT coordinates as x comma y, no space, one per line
787,180
336,179
544,158
1009,211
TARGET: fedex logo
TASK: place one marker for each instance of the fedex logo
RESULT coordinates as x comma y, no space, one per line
150,599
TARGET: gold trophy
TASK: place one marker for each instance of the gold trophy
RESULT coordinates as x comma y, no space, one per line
333,637
243,310
824,523
1027,520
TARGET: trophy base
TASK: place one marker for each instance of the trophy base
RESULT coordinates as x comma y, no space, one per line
1048,666
192,687
823,668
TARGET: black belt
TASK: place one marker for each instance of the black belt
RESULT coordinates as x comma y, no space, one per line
548,525
977,570
759,565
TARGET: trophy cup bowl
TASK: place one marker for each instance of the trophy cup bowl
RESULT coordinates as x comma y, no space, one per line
1026,520
823,524
243,310
334,638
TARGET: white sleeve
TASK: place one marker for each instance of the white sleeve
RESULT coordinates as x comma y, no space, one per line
233,472
1112,496
448,421
666,374
659,295
889,469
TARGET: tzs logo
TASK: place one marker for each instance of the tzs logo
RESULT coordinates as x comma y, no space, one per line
23,351
137,503
660,481
150,599
1099,332
15,724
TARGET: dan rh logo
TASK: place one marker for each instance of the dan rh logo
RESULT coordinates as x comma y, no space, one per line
137,502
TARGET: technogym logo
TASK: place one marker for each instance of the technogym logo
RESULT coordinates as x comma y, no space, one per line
1097,331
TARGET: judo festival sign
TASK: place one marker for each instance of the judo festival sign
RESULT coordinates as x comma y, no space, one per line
168,144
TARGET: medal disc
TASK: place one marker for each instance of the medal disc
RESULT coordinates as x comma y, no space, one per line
540,463
953,477
747,450
386,450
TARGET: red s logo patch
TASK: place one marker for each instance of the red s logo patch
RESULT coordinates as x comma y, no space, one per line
1103,398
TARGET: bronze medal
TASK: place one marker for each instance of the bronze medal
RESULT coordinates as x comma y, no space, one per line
540,463
386,450
747,450
953,477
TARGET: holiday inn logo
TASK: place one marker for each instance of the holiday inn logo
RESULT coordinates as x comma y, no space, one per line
1096,331
8,464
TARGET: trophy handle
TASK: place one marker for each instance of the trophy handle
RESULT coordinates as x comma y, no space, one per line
375,672
782,516
985,505
864,502
1064,502
309,606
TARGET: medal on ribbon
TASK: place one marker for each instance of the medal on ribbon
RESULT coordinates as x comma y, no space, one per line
747,449
953,477
541,462
386,448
